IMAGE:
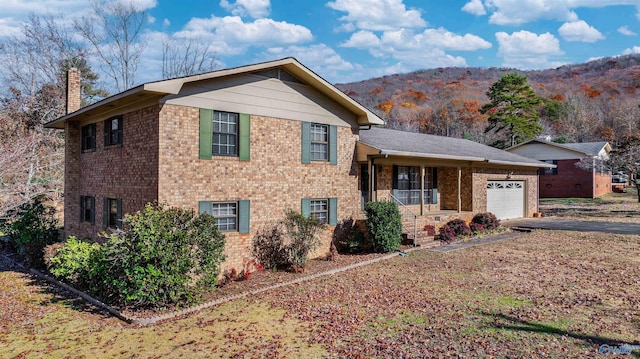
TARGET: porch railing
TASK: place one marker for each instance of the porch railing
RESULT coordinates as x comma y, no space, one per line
406,212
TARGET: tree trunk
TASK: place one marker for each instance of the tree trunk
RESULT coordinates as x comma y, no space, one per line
638,189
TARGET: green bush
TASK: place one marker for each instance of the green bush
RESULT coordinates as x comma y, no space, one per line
73,262
288,242
31,228
302,232
161,256
384,223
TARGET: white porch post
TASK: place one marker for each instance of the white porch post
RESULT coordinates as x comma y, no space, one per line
422,170
459,189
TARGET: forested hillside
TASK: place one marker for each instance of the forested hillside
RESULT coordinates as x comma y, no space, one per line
594,101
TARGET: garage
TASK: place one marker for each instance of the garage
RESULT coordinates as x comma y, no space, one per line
505,199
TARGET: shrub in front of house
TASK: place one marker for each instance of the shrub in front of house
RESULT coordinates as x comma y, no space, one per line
487,220
454,228
384,224
72,262
30,229
161,256
288,242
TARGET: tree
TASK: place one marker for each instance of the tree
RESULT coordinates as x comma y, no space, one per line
114,31
186,57
512,112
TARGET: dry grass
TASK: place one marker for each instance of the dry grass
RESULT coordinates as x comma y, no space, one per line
544,294
612,207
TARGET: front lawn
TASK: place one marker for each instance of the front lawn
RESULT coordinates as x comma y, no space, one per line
612,207
547,293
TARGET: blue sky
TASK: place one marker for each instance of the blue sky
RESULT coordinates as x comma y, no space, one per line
352,40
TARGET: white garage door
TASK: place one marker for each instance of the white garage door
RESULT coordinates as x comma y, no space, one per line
505,199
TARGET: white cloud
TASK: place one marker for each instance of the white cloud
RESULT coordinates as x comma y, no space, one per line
377,15
140,5
624,30
516,12
166,23
254,8
579,31
527,50
406,39
9,27
320,58
362,40
474,7
233,31
632,50
449,41
151,19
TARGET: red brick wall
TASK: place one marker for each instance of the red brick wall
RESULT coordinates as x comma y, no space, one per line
128,172
273,180
571,181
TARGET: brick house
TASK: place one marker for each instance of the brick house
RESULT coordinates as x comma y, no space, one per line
246,143
567,179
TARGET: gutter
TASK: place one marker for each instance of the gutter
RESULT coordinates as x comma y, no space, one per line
464,158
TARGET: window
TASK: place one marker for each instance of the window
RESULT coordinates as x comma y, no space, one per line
226,216
87,209
89,137
229,216
113,131
550,171
319,142
112,213
323,209
319,210
225,134
406,184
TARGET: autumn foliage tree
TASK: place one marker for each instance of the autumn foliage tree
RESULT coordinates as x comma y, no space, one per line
512,112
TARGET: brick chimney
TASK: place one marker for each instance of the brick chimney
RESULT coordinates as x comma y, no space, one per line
73,90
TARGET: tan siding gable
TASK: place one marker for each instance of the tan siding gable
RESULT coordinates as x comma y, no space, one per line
258,95
541,152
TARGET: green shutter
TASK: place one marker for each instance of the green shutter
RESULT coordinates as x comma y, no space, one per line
120,131
333,145
306,207
434,196
244,215
306,142
333,211
244,151
106,134
119,213
204,207
105,212
81,208
206,133
93,209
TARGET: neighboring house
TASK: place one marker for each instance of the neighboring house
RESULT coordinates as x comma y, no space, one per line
567,179
247,143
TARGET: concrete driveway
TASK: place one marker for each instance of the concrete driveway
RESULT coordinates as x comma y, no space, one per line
573,225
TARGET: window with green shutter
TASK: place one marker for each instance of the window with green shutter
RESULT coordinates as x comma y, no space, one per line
319,143
224,134
87,209
113,131
229,216
112,213
324,210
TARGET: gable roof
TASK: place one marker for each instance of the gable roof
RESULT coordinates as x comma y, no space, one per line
401,143
585,148
159,89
